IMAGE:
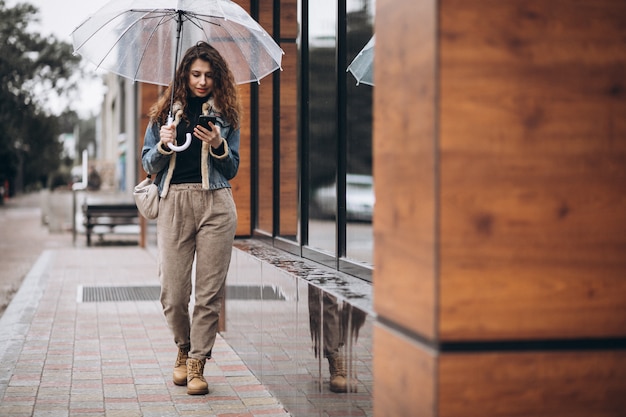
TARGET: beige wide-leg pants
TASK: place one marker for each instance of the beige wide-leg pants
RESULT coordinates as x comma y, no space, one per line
201,223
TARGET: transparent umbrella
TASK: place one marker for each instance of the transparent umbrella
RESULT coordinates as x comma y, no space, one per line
362,67
142,39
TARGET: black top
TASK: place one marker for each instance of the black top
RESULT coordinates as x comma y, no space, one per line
188,162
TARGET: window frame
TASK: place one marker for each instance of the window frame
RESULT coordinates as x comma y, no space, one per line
300,246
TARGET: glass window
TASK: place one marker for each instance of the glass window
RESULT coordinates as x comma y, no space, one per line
359,179
322,122
314,152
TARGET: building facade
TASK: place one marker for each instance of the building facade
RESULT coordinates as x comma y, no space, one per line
490,279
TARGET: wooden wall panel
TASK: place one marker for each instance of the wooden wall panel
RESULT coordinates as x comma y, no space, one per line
538,384
515,230
147,94
241,183
404,165
266,15
533,168
288,19
289,142
404,376
265,176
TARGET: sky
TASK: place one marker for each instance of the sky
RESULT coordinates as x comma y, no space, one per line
60,18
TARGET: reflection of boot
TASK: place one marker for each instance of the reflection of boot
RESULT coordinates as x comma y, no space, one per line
337,368
180,368
196,384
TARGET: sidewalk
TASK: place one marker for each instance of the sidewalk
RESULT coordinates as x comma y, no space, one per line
60,356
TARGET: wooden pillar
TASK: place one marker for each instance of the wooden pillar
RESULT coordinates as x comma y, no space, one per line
500,222
147,96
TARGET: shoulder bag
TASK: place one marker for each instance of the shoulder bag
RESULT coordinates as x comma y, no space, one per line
146,196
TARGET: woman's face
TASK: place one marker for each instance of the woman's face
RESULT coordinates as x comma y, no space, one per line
200,78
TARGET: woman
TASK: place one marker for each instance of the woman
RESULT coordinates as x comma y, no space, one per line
197,216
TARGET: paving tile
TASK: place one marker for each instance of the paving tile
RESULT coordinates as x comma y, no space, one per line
67,358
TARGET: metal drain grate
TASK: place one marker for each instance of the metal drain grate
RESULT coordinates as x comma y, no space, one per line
103,294
153,293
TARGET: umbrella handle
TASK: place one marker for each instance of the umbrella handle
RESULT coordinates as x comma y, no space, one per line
183,146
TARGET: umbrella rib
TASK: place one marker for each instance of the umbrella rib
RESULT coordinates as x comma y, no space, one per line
231,36
106,23
202,18
195,18
205,18
163,19
98,30
128,27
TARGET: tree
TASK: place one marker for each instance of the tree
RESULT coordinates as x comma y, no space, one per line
29,146
69,119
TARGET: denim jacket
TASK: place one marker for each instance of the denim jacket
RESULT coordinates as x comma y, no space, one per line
220,171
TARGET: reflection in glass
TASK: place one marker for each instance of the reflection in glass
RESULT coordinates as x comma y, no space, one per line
334,330
322,113
359,181
286,328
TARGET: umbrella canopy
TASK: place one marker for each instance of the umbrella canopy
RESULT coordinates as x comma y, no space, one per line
142,39
362,67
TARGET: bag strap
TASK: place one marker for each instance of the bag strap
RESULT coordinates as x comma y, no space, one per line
157,178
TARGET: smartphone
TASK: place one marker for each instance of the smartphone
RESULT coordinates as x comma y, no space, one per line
204,121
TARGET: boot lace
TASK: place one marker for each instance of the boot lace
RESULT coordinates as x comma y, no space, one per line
195,369
181,359
337,366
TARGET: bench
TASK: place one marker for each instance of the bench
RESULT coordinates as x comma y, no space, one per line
108,214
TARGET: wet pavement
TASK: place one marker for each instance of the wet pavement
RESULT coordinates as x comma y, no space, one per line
23,236
62,355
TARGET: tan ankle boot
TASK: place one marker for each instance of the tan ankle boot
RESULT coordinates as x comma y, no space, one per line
196,384
338,374
180,368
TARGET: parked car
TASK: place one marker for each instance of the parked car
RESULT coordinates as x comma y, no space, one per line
359,199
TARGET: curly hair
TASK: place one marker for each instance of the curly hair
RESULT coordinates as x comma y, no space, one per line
225,92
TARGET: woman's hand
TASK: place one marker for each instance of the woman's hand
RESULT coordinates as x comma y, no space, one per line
168,134
212,137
